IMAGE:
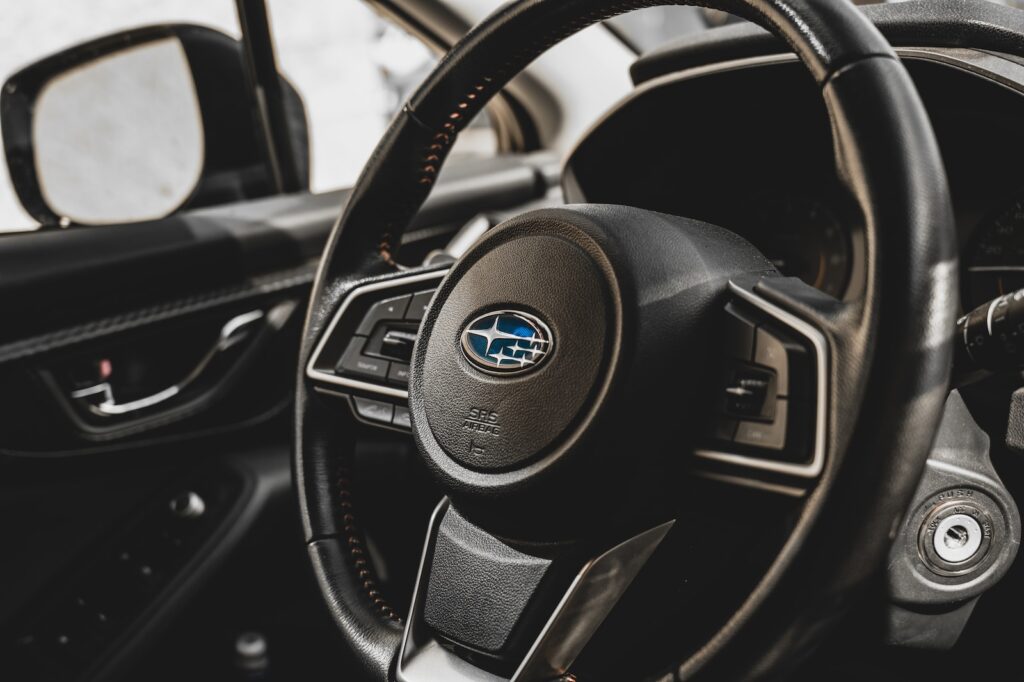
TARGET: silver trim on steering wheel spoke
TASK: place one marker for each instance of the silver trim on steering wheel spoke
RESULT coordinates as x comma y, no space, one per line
812,468
593,593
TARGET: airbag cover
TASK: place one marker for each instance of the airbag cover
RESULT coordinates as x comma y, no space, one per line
496,422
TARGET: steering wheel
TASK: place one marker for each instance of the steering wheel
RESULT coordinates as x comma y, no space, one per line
567,371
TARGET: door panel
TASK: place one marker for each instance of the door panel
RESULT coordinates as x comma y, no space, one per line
113,335
141,363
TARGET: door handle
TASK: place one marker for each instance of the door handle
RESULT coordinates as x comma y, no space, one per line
235,331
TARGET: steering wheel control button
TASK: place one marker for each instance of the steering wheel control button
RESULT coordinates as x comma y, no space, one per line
398,344
368,333
751,393
770,352
770,435
399,374
789,358
765,412
353,361
401,418
955,537
419,304
374,410
392,341
382,311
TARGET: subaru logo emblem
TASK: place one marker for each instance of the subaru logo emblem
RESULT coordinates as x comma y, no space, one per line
507,342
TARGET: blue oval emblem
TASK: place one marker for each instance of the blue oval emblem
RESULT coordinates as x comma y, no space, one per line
507,342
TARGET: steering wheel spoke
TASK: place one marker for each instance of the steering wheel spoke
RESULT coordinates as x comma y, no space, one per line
363,355
766,417
554,598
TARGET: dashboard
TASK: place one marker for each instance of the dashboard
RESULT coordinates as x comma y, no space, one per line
747,145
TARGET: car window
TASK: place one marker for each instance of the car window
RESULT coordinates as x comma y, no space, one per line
351,68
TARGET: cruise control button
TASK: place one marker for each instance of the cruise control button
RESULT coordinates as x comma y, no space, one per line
771,352
790,359
354,362
399,374
401,418
419,304
374,410
389,309
750,393
771,435
398,344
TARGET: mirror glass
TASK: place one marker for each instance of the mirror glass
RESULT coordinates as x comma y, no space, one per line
120,139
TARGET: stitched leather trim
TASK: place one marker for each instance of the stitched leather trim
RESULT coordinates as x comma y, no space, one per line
356,546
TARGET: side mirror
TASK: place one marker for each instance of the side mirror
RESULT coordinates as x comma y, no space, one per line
138,125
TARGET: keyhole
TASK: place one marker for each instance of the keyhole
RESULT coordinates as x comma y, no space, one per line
956,537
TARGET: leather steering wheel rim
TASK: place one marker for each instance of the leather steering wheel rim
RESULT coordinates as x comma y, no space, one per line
889,351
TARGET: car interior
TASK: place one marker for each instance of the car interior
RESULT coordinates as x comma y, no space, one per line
643,341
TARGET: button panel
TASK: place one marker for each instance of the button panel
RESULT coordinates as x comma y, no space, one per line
368,346
765,409
73,623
